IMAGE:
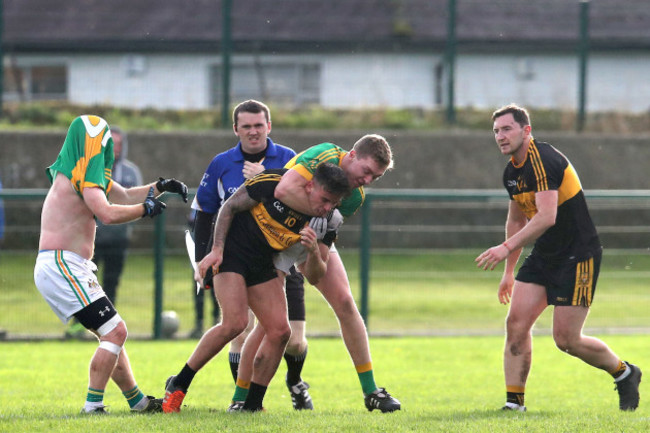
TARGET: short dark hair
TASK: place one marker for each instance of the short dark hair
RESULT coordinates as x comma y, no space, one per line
251,106
520,114
376,147
332,178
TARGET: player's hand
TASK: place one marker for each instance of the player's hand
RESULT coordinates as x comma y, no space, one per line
172,185
308,239
204,283
252,169
488,259
152,206
505,289
319,226
334,220
210,262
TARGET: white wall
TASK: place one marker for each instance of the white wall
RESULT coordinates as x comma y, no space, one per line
161,81
374,80
616,82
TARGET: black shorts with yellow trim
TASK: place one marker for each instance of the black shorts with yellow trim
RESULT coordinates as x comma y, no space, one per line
568,283
255,266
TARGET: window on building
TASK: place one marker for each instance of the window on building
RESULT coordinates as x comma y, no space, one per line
287,84
35,83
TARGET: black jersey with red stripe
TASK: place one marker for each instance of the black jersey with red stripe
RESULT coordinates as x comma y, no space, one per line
547,169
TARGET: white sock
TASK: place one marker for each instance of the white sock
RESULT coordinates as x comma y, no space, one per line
92,405
625,374
141,404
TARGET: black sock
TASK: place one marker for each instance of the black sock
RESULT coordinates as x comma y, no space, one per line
184,378
515,397
234,364
294,367
255,397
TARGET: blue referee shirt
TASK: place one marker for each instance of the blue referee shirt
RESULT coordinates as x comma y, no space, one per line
224,174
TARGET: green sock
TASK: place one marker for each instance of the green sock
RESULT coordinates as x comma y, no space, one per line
133,396
367,379
95,395
241,392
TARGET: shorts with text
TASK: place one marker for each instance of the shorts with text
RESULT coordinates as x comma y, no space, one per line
568,283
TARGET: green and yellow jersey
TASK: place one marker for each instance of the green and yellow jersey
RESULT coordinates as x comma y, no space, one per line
86,157
305,164
546,169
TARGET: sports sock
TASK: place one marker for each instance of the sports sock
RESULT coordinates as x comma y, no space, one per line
621,372
367,378
94,399
133,396
184,378
294,367
241,390
255,397
234,358
515,394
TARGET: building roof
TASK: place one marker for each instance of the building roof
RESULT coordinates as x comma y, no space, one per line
317,25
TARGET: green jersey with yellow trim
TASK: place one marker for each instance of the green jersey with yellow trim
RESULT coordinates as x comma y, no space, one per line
86,157
305,164
546,169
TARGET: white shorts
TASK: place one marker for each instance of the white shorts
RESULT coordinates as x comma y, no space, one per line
295,254
67,281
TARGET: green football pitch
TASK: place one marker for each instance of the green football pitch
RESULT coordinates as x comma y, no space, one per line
445,384
410,293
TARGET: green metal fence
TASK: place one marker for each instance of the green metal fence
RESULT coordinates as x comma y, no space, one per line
398,224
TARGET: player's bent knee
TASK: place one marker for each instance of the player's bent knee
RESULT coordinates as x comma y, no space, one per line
114,325
113,348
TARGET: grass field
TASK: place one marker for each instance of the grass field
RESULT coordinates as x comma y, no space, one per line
415,293
445,384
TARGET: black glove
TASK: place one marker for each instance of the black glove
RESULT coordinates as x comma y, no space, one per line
152,206
172,185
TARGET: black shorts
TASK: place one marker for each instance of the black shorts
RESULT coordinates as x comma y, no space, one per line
571,282
255,266
295,287
96,314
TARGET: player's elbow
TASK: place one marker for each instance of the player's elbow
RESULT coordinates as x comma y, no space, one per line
281,192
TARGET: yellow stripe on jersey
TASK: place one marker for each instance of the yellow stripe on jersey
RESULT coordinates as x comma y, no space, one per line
538,167
92,147
570,185
583,291
303,171
262,178
277,235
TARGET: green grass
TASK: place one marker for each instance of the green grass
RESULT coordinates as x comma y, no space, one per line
445,384
410,293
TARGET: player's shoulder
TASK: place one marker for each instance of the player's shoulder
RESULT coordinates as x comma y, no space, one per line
548,153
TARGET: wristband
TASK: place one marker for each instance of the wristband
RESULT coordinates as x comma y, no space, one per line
507,247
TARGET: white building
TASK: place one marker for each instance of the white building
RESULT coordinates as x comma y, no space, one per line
336,54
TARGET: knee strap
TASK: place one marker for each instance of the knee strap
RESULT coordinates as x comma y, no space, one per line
111,347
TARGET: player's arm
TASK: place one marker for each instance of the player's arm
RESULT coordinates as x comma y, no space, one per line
291,191
315,266
109,213
515,222
137,194
202,233
546,204
238,202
